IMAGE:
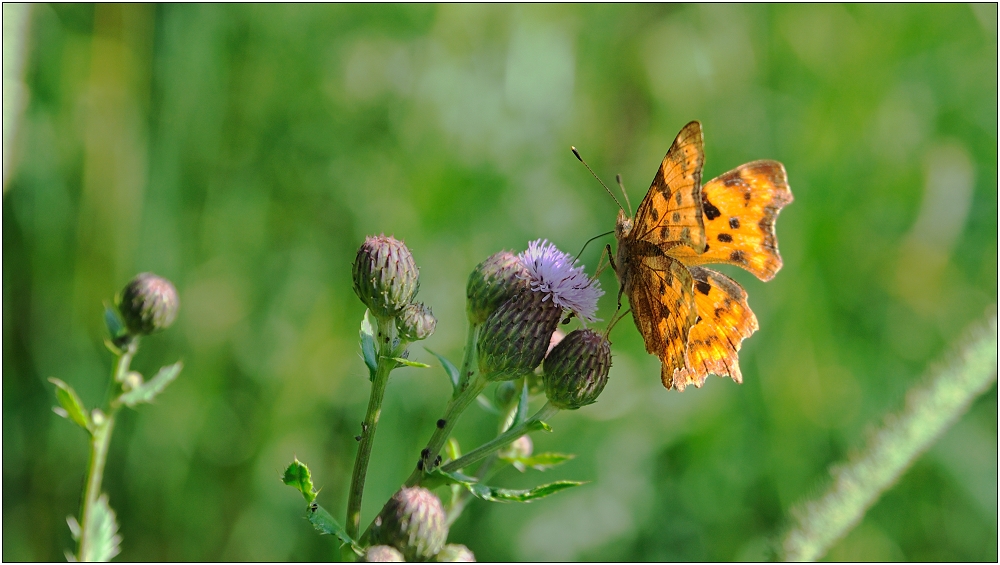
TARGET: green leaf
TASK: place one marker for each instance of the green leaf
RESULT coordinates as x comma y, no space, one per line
407,363
522,405
72,406
488,404
113,320
452,449
324,523
297,476
495,494
541,461
148,390
102,539
368,345
449,368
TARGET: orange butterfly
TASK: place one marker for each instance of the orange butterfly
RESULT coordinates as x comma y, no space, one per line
694,319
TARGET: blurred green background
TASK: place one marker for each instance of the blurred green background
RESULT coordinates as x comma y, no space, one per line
245,151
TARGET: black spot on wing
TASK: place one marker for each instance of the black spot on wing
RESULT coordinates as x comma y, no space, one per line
711,212
737,257
734,223
725,238
655,214
678,197
703,287
676,217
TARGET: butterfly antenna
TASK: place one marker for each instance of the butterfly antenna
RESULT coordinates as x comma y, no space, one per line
588,243
577,153
625,194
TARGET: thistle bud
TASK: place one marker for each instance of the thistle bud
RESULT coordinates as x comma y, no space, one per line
148,304
455,553
414,522
416,322
383,554
514,338
576,369
492,282
385,276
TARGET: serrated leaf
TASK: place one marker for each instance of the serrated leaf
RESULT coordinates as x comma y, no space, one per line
72,406
449,368
324,523
407,363
148,390
102,541
496,494
368,345
541,461
297,476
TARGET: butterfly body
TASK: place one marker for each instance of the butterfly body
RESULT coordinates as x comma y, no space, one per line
693,318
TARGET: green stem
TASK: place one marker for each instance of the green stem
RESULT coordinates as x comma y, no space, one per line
930,409
531,424
469,361
99,442
384,339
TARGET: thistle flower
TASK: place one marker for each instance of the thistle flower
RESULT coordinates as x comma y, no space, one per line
553,273
383,554
148,304
455,553
493,282
385,276
514,338
416,322
576,370
414,522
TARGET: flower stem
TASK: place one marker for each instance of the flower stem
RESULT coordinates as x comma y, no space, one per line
99,442
384,339
531,424
930,409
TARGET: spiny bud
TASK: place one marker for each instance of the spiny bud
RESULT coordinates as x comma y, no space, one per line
576,369
514,338
492,282
414,522
416,321
383,554
455,553
385,276
148,304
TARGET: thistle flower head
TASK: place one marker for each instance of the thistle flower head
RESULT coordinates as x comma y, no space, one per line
576,369
414,522
492,282
455,553
383,554
514,338
416,322
148,304
554,273
386,278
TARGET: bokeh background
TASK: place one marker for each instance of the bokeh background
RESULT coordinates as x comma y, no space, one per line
245,151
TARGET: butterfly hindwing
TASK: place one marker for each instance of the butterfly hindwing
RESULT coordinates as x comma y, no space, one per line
662,299
739,211
671,212
724,321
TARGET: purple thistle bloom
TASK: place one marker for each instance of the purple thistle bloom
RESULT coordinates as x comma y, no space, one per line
554,273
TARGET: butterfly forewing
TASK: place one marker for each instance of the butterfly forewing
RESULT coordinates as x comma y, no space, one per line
671,212
739,211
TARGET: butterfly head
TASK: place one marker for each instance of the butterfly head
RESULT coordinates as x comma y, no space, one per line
623,225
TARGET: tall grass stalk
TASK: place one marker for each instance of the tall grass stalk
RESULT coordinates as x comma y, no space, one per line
930,409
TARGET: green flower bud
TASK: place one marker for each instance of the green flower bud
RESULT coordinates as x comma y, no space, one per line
455,553
492,283
148,304
416,321
414,522
576,369
385,276
383,554
514,338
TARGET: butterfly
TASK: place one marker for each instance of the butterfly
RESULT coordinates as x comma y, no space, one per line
691,317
